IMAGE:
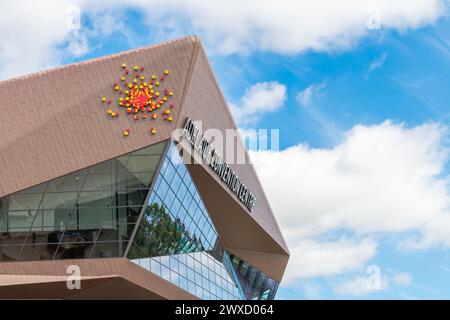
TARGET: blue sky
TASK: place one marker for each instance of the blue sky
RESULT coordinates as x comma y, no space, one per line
363,116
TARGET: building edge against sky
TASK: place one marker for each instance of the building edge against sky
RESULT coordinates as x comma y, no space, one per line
92,179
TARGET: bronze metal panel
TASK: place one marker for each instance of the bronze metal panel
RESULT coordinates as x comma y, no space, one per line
205,102
53,122
116,278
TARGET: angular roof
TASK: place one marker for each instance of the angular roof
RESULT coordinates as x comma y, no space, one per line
54,123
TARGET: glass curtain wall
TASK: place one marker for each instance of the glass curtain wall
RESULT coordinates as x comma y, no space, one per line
177,240
88,213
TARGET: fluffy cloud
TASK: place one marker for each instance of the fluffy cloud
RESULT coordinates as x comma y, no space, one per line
38,34
359,287
261,98
32,32
305,97
377,63
403,279
290,26
380,179
362,285
311,258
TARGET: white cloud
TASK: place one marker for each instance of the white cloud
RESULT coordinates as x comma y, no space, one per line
261,98
40,35
31,32
311,290
312,258
380,179
289,26
36,34
359,287
403,279
305,97
377,62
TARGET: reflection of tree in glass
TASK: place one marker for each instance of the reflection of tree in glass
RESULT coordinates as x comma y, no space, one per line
159,235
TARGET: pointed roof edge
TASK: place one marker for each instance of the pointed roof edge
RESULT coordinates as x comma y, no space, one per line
35,74
194,57
193,38
197,49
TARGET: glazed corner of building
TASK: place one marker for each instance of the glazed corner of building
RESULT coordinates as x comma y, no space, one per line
96,200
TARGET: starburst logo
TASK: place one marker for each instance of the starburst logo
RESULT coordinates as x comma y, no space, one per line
140,97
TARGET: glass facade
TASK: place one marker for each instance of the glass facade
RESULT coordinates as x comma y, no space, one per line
177,240
86,214
143,205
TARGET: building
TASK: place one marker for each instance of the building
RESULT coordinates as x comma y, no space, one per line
95,186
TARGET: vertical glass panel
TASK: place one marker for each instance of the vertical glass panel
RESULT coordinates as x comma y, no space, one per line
24,201
55,200
69,183
256,284
20,220
109,249
205,269
38,252
168,225
74,250
63,218
176,240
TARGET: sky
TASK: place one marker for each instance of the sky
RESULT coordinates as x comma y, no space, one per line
359,91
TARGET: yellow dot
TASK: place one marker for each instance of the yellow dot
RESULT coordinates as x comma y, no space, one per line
124,65
127,92
116,88
103,99
157,83
126,133
142,78
153,77
120,103
123,78
166,71
141,87
170,119
136,68
157,93
165,98
145,84
135,80
170,93
113,114
130,85
109,111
